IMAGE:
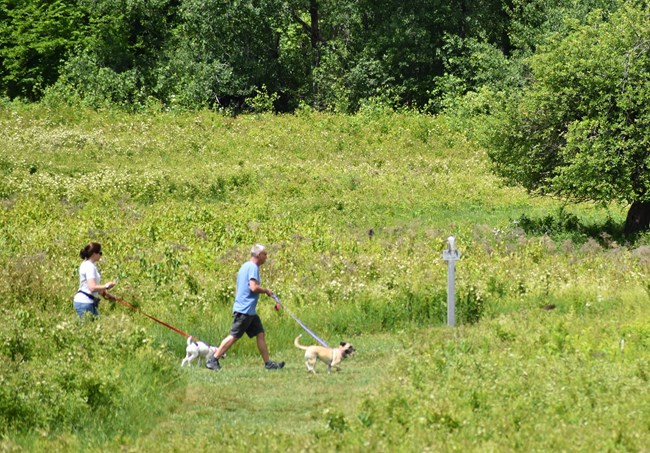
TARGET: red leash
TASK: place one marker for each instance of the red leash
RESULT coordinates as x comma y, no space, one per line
126,304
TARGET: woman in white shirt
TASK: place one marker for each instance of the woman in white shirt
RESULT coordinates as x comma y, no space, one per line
87,298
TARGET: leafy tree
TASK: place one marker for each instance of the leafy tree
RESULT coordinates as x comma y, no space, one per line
35,37
397,43
329,26
492,57
532,22
120,53
224,50
580,130
400,47
297,49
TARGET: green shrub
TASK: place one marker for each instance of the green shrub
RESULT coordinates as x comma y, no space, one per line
77,374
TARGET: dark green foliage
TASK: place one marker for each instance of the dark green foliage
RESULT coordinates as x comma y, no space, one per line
562,225
533,22
406,309
332,55
401,44
221,51
580,130
122,52
35,37
278,55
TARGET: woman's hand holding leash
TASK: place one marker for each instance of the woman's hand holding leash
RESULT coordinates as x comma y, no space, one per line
110,285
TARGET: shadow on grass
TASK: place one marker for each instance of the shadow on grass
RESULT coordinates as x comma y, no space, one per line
566,225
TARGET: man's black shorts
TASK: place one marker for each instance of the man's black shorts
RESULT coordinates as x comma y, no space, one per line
250,325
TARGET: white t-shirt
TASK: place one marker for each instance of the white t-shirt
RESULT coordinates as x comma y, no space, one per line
87,270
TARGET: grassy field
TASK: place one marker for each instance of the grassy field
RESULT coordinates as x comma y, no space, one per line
550,352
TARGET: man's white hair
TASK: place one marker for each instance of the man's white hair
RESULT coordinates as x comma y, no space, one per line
257,249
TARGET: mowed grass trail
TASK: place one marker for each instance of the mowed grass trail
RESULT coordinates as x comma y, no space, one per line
289,407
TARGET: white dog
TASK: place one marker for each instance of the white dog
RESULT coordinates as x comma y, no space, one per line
196,349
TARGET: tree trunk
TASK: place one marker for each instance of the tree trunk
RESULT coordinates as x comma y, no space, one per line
315,31
638,217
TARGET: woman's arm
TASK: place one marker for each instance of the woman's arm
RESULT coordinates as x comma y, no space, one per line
95,288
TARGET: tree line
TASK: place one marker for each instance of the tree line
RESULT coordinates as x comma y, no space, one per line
272,54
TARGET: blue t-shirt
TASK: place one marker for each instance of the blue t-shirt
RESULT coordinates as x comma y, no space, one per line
245,299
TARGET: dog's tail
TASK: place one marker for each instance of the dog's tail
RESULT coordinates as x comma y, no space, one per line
190,339
297,343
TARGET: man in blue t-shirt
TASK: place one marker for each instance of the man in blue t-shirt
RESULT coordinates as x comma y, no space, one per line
245,318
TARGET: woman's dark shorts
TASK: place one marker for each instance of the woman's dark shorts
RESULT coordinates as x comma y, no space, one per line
250,325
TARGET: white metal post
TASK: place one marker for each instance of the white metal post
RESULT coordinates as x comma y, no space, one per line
451,255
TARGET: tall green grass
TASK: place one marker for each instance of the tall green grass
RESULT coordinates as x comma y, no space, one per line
177,201
530,381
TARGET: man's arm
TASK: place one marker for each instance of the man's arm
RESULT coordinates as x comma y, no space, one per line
257,289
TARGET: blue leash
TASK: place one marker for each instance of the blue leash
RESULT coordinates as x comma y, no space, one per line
307,329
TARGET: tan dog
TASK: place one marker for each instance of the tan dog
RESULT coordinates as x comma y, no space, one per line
331,356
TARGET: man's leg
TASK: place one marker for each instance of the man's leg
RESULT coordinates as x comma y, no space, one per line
264,351
261,345
213,362
224,346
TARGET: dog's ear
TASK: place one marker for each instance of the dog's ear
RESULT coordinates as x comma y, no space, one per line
343,343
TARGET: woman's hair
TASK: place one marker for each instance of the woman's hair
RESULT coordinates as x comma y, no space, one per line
87,251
